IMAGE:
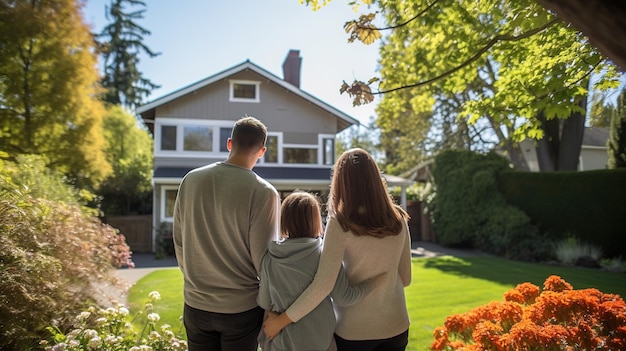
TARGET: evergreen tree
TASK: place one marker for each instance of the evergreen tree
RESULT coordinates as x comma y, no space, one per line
121,46
616,145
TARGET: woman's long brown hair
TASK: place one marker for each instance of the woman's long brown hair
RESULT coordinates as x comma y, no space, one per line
359,199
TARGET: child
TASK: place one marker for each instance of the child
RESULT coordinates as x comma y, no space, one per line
289,267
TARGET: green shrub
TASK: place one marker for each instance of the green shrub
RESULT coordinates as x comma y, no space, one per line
589,205
469,211
164,240
53,259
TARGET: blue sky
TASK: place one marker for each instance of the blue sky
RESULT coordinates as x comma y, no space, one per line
198,38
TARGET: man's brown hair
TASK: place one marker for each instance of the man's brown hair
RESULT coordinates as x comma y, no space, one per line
249,134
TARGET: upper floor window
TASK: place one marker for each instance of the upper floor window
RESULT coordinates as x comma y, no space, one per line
193,137
244,91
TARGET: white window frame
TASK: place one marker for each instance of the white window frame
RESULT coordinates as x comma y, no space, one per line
257,95
322,151
180,123
165,188
279,144
302,146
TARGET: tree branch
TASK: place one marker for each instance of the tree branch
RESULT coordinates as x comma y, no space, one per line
477,55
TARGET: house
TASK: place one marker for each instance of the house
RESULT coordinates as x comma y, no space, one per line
191,126
593,152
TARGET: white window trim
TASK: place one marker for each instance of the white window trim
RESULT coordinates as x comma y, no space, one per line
165,188
303,146
231,90
321,150
180,123
279,144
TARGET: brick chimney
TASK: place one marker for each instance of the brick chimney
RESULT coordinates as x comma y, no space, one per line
291,68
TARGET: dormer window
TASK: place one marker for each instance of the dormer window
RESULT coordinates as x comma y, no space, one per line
244,91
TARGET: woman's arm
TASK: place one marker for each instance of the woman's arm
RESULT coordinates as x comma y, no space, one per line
404,268
322,285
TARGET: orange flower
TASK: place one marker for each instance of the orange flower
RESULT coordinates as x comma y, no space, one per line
558,318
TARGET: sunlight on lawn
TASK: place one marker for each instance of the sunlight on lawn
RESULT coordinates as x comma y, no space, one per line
440,287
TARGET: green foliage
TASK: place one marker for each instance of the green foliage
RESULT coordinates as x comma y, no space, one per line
476,75
123,42
469,211
38,181
616,144
589,205
164,240
569,249
52,258
111,330
48,81
53,254
129,149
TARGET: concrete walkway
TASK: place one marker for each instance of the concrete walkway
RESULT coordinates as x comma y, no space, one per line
147,263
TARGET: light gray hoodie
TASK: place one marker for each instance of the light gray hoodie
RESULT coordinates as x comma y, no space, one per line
286,271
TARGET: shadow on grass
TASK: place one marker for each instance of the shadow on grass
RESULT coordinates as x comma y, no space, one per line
512,273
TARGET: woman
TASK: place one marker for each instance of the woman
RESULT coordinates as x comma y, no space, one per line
369,233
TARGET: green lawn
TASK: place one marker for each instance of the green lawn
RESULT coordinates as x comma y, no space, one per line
441,286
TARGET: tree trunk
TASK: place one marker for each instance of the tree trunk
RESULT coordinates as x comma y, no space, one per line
516,156
572,139
548,146
559,149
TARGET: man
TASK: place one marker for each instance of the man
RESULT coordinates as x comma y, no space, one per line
224,217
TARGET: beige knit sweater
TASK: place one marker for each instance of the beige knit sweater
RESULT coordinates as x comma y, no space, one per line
380,314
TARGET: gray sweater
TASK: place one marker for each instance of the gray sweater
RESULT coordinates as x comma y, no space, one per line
224,218
287,269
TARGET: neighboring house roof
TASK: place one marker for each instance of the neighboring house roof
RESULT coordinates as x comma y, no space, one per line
594,136
343,120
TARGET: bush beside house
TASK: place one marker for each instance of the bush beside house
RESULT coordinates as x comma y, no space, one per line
54,256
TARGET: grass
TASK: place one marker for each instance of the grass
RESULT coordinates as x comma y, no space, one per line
441,286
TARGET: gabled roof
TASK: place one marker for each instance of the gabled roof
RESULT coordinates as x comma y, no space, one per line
595,136
343,120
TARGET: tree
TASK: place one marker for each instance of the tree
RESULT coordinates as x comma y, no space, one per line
123,42
362,136
600,112
511,67
616,144
129,149
48,89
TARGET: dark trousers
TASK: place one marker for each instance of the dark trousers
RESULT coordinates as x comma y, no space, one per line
396,343
209,331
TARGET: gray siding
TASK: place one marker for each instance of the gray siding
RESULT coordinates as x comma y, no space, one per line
280,110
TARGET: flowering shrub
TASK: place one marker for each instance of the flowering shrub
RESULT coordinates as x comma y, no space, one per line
54,259
111,330
558,318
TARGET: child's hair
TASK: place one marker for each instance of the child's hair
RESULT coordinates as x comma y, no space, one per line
359,199
300,216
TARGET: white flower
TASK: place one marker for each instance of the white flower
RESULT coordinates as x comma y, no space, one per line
154,335
101,321
73,334
94,342
59,347
123,311
154,296
153,317
83,316
74,343
110,339
90,333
